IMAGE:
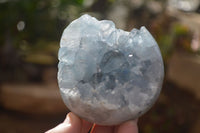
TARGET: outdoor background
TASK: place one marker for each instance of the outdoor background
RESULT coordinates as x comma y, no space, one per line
30,31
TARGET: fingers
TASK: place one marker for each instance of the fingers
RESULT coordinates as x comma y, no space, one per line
128,127
86,126
103,129
72,124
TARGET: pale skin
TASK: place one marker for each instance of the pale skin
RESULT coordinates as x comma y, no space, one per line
74,124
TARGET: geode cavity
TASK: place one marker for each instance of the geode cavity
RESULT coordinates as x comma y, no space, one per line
107,75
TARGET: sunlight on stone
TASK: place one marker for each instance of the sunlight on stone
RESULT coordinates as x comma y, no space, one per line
107,75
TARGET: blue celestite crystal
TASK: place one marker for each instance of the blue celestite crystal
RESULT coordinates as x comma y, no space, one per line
107,75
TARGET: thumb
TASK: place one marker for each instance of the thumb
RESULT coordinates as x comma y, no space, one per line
72,124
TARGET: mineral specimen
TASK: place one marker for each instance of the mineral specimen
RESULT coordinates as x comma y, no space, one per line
107,75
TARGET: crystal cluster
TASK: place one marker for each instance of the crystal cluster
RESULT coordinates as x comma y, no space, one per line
107,75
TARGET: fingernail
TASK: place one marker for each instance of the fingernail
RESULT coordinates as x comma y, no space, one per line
71,118
68,118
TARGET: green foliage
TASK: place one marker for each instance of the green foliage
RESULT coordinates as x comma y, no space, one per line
179,29
41,18
166,45
27,23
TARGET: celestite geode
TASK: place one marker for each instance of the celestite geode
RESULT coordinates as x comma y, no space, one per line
107,75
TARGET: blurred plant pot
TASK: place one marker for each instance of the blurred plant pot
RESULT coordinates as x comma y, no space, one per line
184,70
32,98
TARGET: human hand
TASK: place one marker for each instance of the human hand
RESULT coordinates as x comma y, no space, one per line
73,124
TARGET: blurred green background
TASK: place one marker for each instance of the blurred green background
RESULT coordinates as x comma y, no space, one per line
30,31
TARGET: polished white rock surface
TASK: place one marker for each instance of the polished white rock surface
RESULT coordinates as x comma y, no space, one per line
107,75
